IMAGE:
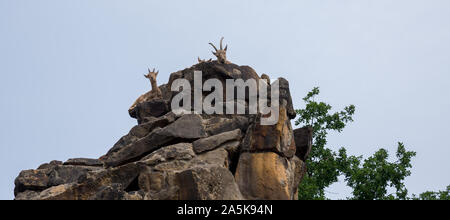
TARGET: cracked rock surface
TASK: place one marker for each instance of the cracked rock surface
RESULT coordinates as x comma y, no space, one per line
185,157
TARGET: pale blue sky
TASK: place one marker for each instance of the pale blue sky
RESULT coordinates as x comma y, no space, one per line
70,70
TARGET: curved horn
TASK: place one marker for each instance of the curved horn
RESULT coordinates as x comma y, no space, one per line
149,70
226,47
221,40
213,46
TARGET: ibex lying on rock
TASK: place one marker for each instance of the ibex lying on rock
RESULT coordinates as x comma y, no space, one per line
220,54
203,61
155,93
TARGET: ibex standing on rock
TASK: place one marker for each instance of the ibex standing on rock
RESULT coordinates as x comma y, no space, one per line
220,54
155,93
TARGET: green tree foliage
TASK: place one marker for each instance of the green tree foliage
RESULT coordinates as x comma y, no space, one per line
324,165
371,179
441,195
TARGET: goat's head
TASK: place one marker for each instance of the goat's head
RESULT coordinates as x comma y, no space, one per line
151,75
221,54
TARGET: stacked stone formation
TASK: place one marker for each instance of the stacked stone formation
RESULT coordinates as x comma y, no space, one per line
183,157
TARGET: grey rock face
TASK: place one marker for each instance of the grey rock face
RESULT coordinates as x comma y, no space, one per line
84,162
51,193
303,141
210,143
153,108
41,179
277,138
142,130
181,151
50,165
110,192
208,183
219,157
186,128
285,94
34,180
266,176
68,174
218,125
189,157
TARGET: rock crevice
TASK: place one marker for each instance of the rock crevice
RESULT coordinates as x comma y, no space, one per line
188,157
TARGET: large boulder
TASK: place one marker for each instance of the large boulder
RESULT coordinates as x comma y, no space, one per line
185,129
219,157
41,179
52,193
208,183
266,176
142,130
189,127
181,151
116,192
159,184
285,95
152,108
85,187
160,179
277,138
299,170
303,142
34,180
69,174
217,125
210,143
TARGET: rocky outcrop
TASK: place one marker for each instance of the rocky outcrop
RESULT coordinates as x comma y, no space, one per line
303,142
268,176
278,138
212,142
150,109
189,157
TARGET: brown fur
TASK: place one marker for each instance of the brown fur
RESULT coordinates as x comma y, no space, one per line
155,93
221,54
203,61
